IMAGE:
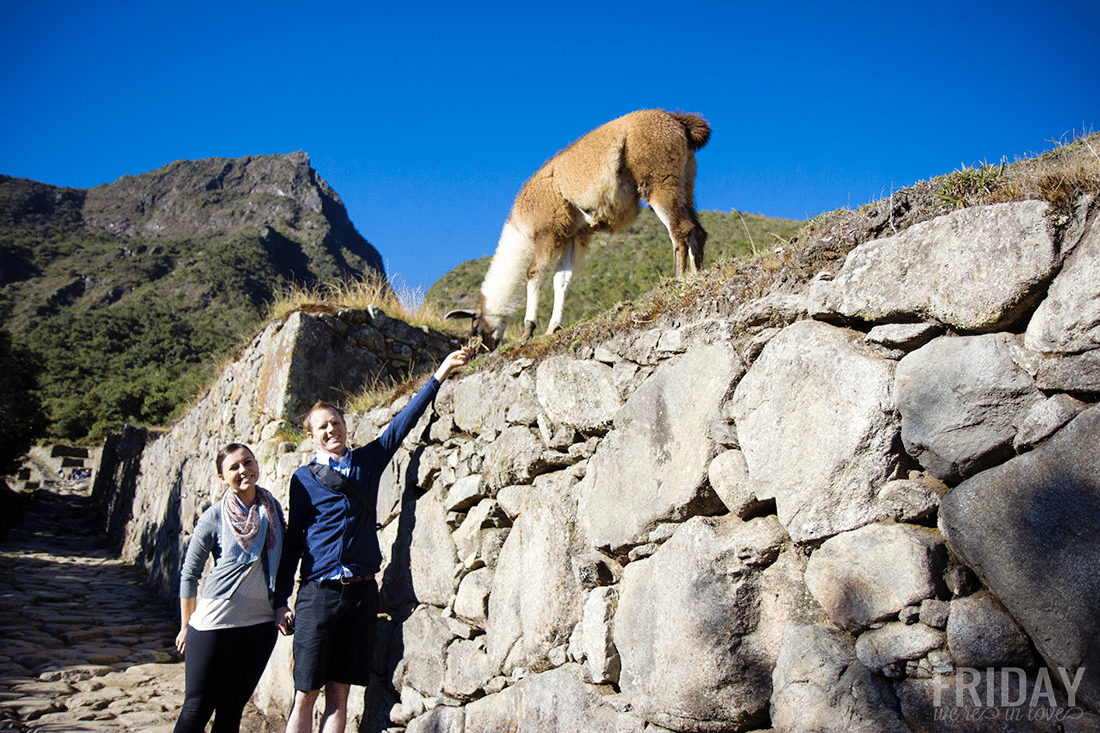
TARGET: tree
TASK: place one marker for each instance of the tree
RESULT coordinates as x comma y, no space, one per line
22,417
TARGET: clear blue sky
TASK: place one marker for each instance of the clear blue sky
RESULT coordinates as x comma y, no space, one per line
427,117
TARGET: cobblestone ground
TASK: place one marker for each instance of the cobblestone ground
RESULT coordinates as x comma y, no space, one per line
84,645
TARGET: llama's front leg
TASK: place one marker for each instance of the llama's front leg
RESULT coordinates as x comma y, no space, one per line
679,259
687,235
696,242
562,278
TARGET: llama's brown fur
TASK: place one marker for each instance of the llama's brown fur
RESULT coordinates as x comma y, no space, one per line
594,185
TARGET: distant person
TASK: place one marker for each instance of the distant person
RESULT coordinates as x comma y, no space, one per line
332,530
227,635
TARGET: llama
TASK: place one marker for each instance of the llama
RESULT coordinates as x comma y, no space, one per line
594,185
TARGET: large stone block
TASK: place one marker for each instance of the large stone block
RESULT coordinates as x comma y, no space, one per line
976,270
1068,319
537,599
869,574
961,400
1028,528
557,701
818,429
700,623
580,394
653,467
819,686
308,361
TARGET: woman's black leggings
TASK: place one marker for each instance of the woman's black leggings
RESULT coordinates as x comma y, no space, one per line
222,669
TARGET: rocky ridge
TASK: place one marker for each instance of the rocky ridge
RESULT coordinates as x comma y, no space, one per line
271,193
870,511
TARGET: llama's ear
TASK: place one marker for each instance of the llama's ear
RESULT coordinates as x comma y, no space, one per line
461,313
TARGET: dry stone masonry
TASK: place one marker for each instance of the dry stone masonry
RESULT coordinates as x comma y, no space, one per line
878,515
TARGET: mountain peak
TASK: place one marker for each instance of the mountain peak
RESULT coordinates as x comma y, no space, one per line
186,197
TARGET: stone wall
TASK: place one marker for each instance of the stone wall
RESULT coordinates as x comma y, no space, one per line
259,399
115,482
880,516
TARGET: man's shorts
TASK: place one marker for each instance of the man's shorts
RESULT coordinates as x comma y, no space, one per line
334,630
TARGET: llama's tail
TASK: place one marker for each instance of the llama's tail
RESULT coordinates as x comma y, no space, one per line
695,127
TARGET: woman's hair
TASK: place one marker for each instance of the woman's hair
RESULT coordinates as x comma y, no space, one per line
231,448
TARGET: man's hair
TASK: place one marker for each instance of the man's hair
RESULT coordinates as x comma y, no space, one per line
317,407
231,448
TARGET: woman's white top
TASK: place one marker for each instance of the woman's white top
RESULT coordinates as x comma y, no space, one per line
249,605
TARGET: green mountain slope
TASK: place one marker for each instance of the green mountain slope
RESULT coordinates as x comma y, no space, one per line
127,290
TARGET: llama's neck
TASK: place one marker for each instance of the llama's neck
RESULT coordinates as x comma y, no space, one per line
502,289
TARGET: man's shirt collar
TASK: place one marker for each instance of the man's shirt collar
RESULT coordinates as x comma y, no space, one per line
343,464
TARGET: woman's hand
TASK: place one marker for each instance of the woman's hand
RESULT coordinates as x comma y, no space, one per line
181,641
187,607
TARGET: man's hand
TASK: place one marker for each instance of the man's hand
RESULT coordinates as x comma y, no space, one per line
284,620
454,360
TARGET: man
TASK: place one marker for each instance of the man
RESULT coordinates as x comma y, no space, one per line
332,531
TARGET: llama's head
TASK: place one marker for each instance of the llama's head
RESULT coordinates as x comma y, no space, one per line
489,327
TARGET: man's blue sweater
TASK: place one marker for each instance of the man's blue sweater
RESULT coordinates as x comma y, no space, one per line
327,529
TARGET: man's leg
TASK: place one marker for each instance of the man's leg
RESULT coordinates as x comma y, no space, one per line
314,609
301,715
336,707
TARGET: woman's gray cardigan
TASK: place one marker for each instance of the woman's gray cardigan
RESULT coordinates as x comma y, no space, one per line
228,570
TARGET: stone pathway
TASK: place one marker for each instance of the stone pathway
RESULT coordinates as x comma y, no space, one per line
84,645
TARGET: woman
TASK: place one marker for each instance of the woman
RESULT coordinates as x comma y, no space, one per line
227,635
